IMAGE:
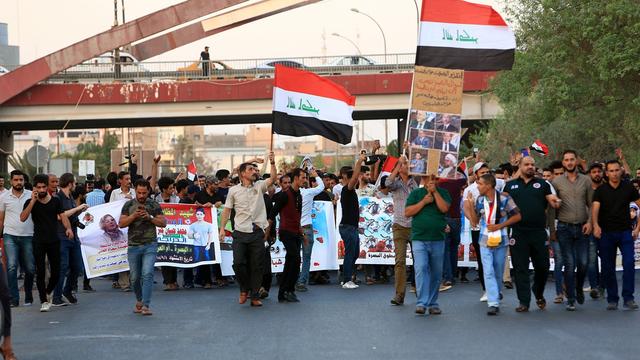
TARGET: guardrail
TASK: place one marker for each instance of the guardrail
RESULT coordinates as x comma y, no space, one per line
94,72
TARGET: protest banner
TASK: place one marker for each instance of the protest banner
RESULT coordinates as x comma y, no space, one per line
102,242
190,238
183,243
324,255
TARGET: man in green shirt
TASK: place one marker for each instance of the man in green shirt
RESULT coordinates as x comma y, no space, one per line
427,206
142,215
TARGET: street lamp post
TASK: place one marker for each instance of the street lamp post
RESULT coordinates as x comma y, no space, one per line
349,40
384,38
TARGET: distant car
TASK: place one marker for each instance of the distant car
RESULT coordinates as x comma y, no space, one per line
105,64
288,63
356,60
3,70
219,70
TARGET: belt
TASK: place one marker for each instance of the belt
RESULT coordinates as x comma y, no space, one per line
576,224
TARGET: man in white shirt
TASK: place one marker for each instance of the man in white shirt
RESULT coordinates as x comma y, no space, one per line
124,192
18,237
479,169
307,229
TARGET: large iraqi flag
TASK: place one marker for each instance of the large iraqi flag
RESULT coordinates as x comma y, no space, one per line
456,34
307,104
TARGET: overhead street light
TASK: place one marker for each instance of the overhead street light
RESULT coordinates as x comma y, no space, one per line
384,38
349,40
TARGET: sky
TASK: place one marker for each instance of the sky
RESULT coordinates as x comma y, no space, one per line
42,27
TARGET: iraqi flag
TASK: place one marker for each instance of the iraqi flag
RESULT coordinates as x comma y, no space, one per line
387,168
307,104
540,148
456,34
192,170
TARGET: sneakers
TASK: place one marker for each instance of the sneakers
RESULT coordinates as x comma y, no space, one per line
45,307
28,303
15,303
397,301
59,302
630,305
72,299
571,306
483,298
612,306
558,299
350,285
413,289
493,310
301,287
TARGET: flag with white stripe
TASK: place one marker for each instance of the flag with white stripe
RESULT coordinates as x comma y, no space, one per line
307,104
456,34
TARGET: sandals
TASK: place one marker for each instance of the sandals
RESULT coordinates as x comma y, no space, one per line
146,311
542,303
138,308
8,356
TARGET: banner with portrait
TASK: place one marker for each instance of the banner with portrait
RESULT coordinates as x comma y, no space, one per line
375,232
435,125
324,255
190,238
102,242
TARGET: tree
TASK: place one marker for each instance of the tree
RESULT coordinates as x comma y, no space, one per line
575,82
20,163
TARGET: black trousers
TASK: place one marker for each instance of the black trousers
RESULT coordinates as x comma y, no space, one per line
292,243
266,267
170,275
248,260
5,298
475,240
49,251
530,244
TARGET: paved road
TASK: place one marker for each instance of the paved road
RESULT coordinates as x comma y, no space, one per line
329,323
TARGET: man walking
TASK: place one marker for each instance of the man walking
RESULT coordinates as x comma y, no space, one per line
529,237
44,210
288,203
142,215
596,171
400,184
349,223
308,194
18,237
612,225
205,58
574,226
250,223
427,206
70,253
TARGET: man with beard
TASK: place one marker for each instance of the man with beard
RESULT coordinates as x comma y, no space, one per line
250,223
529,236
612,225
308,193
595,173
18,238
44,210
142,215
70,253
574,226
288,203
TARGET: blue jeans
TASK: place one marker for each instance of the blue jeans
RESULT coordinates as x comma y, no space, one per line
427,263
351,239
609,242
574,246
307,231
19,250
593,268
493,260
71,262
558,263
142,258
451,249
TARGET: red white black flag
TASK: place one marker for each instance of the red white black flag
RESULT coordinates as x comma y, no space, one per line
456,34
307,104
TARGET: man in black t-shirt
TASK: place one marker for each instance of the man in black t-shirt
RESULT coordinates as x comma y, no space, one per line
209,197
44,210
349,222
205,58
612,225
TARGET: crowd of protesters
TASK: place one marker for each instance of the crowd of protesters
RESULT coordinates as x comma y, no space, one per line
580,213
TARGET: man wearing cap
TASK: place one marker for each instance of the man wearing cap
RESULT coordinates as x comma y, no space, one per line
205,59
529,236
479,169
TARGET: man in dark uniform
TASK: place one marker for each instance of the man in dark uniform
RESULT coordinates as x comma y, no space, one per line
205,58
529,237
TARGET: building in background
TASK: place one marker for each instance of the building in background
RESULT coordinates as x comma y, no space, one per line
9,55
